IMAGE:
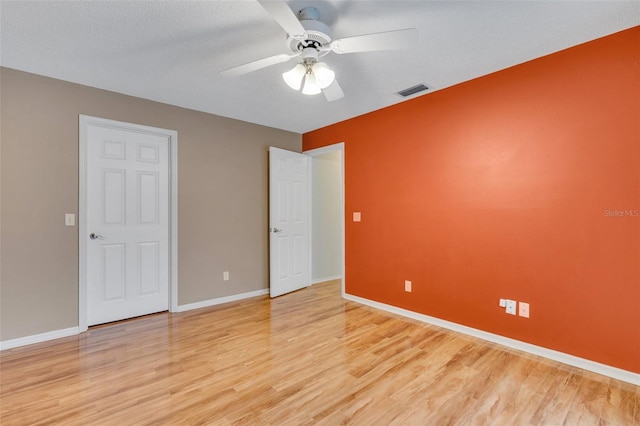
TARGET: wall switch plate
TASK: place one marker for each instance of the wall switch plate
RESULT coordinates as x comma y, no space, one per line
503,303
511,307
523,309
407,286
356,216
69,219
225,275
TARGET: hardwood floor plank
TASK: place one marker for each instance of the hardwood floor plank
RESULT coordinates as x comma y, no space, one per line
557,401
306,358
619,405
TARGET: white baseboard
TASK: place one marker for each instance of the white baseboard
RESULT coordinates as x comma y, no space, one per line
585,364
323,279
56,334
38,338
221,300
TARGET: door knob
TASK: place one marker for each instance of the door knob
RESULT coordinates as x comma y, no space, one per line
95,236
276,230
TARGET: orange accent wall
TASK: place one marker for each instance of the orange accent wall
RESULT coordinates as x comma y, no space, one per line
507,186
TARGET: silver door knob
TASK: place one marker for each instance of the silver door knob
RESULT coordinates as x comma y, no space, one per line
95,236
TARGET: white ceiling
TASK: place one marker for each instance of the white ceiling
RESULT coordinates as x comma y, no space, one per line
172,51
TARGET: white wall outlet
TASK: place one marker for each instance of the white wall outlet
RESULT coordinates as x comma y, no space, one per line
225,275
523,309
407,286
69,219
511,307
357,216
503,303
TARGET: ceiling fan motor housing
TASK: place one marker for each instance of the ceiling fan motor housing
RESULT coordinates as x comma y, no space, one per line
318,33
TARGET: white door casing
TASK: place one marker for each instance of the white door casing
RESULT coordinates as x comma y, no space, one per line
289,221
128,204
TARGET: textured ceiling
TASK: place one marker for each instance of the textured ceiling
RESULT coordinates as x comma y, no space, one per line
172,51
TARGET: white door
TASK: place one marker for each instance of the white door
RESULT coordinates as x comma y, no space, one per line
127,247
289,222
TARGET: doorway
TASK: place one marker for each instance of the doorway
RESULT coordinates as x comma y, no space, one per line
327,213
128,220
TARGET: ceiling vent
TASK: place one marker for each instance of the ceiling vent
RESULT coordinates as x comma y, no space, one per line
413,90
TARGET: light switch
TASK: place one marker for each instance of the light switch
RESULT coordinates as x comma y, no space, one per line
356,216
69,219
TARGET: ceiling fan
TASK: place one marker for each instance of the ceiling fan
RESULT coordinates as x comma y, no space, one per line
309,39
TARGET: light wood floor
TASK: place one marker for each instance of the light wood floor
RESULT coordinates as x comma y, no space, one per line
301,359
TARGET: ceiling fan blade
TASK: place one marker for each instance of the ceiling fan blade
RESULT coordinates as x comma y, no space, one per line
333,92
283,15
256,65
399,39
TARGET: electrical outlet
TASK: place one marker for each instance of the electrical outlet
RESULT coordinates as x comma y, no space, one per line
357,216
407,286
511,307
225,275
523,309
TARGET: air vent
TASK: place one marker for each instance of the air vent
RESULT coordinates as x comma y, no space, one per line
413,90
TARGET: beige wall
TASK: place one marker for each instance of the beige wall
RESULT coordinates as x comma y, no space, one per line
222,198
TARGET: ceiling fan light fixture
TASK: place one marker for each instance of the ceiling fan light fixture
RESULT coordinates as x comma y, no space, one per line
323,74
309,39
310,85
294,76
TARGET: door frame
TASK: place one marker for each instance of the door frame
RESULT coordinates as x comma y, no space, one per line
313,153
84,121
